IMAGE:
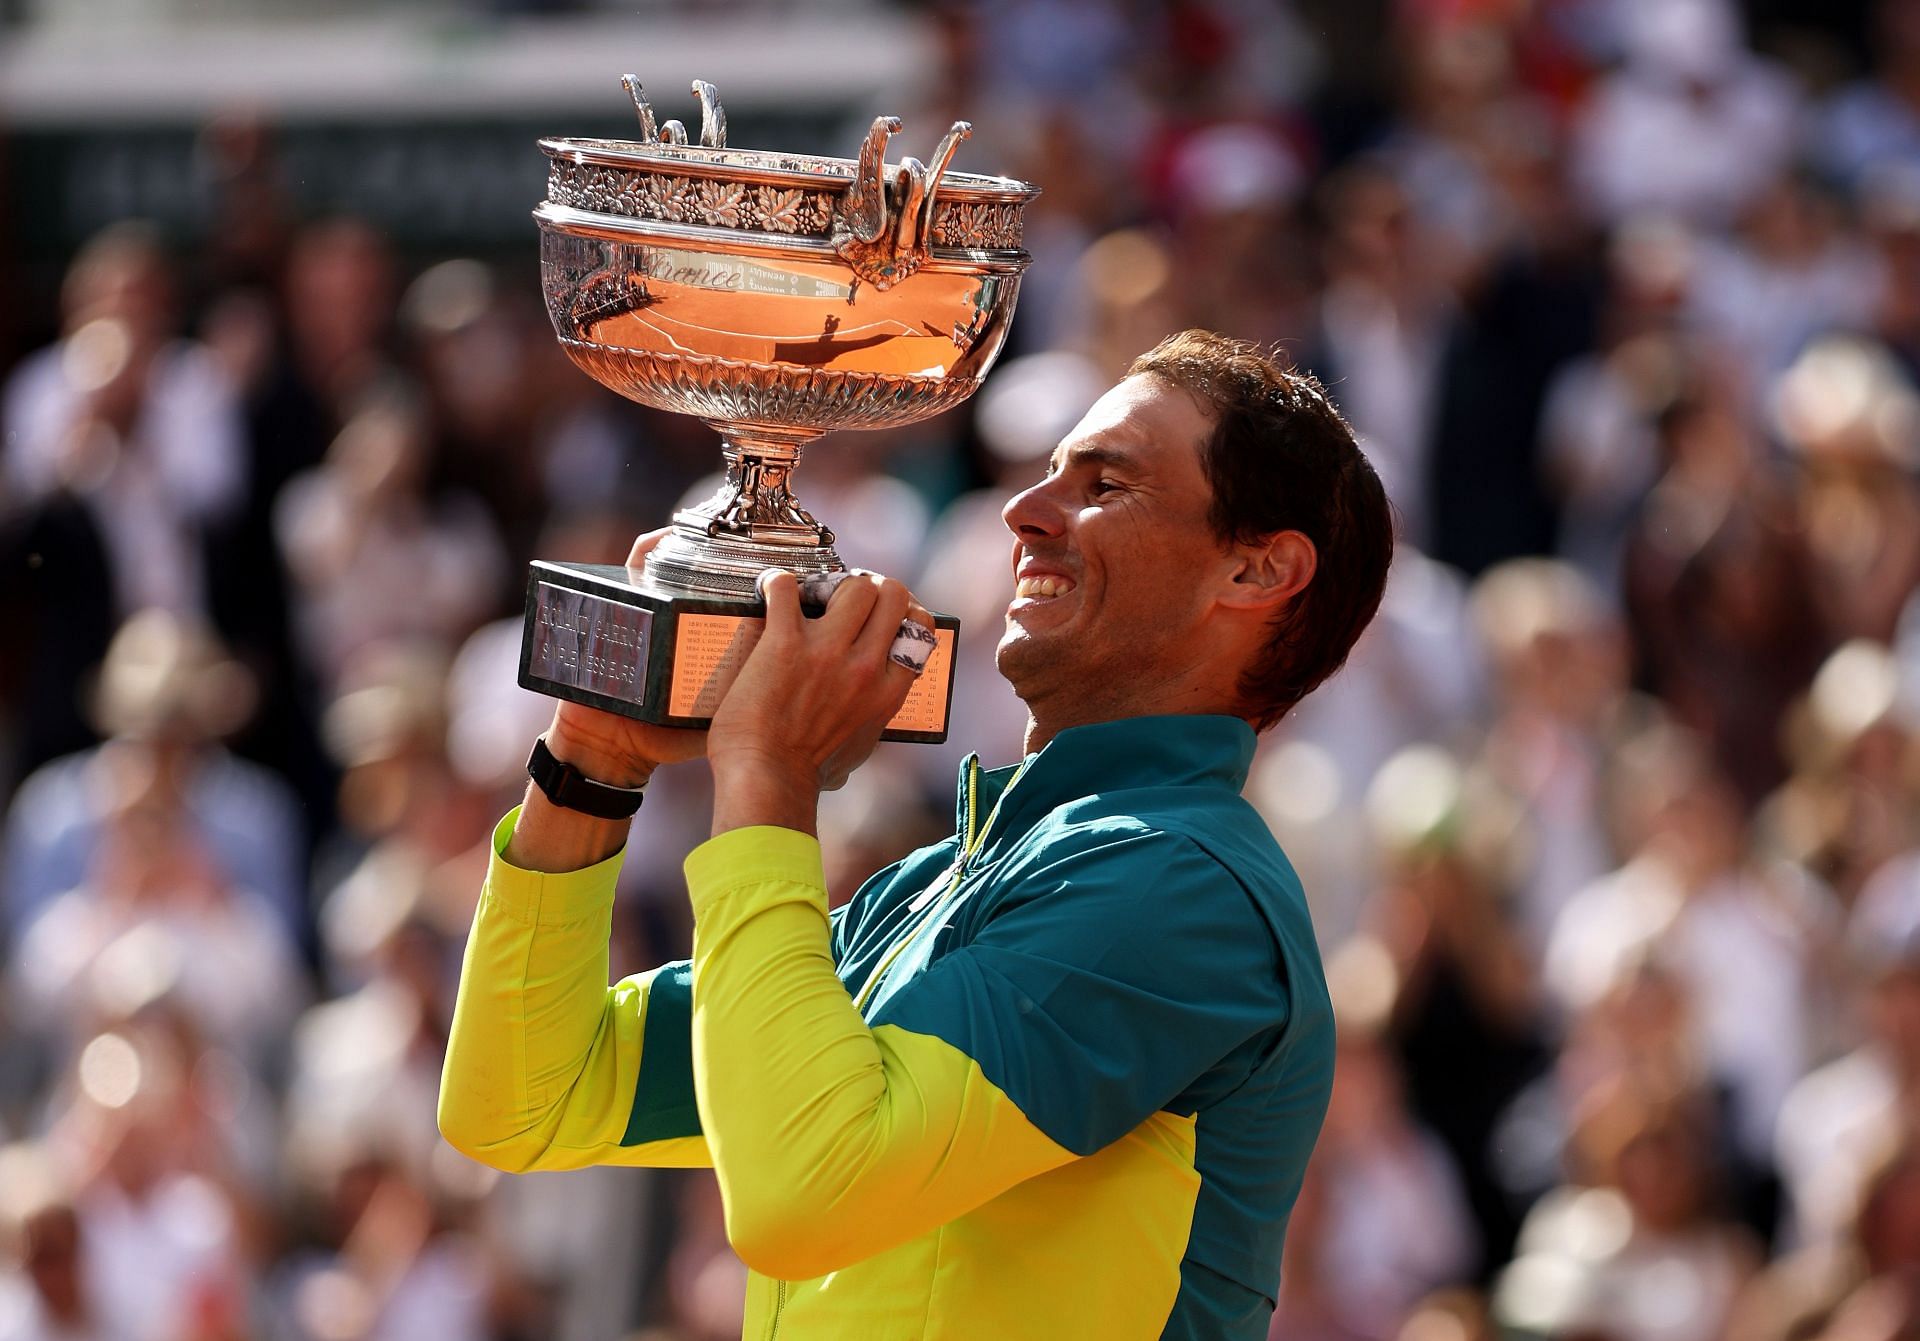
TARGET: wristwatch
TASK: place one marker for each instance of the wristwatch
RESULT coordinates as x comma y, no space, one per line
567,786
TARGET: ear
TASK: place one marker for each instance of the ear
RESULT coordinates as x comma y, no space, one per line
1271,571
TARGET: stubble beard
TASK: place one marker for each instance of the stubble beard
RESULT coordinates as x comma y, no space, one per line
1050,673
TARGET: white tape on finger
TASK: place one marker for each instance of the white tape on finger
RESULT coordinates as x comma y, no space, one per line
816,589
912,646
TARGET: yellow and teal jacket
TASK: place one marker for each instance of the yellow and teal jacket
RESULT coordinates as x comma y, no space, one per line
1056,1077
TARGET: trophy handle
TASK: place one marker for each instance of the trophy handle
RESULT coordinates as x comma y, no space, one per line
713,117
881,240
937,168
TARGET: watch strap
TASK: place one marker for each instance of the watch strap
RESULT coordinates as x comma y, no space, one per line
568,787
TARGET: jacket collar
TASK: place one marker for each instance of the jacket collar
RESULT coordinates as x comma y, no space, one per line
1083,761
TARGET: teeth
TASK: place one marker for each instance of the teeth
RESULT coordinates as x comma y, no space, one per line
1042,588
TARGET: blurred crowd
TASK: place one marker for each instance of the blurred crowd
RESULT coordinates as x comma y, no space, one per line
1611,826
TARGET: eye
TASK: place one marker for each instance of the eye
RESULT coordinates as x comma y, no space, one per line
1103,486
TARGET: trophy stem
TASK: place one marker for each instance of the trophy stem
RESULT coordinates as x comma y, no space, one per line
757,502
752,523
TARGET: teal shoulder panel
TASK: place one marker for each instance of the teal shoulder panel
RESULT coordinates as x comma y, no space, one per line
663,1104
1117,966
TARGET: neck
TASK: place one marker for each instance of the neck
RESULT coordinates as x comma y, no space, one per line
1113,688
1046,720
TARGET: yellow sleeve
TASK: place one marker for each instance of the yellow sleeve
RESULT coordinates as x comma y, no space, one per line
544,1063
832,1141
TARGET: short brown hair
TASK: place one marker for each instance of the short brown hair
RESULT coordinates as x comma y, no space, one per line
1280,458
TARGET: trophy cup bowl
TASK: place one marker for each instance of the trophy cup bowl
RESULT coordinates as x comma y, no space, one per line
776,297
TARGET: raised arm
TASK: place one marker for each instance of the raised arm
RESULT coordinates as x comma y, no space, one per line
547,1066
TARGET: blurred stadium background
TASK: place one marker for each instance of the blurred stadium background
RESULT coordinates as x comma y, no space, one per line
1610,825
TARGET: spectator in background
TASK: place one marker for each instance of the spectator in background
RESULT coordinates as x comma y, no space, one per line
375,556
1084,198
1390,1221
166,696
1478,155
155,915
338,300
403,807
1790,272
481,352
1851,414
1600,447
121,448
157,1209
706,1283
1382,330
392,1267
1559,679
1636,1246
1838,1120
1655,134
1719,589
1463,1024
364,1066
1238,242
1853,803
1873,124
1740,937
141,427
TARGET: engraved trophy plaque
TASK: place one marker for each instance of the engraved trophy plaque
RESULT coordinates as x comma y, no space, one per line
777,297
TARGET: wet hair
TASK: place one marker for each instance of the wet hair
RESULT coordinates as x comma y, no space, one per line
1280,458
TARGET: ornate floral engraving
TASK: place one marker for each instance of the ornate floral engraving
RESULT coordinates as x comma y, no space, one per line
790,211
724,204
668,198
716,202
721,203
976,223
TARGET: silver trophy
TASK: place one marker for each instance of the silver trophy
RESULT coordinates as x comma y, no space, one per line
778,297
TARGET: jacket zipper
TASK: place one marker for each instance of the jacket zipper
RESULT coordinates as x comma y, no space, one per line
779,1304
958,872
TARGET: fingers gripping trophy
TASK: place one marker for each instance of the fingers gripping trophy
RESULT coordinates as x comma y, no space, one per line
777,297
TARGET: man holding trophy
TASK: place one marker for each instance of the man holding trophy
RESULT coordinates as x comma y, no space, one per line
1058,1075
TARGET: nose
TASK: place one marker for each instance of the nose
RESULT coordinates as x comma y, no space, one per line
1034,514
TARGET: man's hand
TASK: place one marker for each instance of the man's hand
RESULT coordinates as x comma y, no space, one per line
618,750
809,703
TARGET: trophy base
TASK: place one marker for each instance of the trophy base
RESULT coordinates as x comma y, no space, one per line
609,637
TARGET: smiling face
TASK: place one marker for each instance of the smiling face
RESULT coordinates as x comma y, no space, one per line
1116,569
